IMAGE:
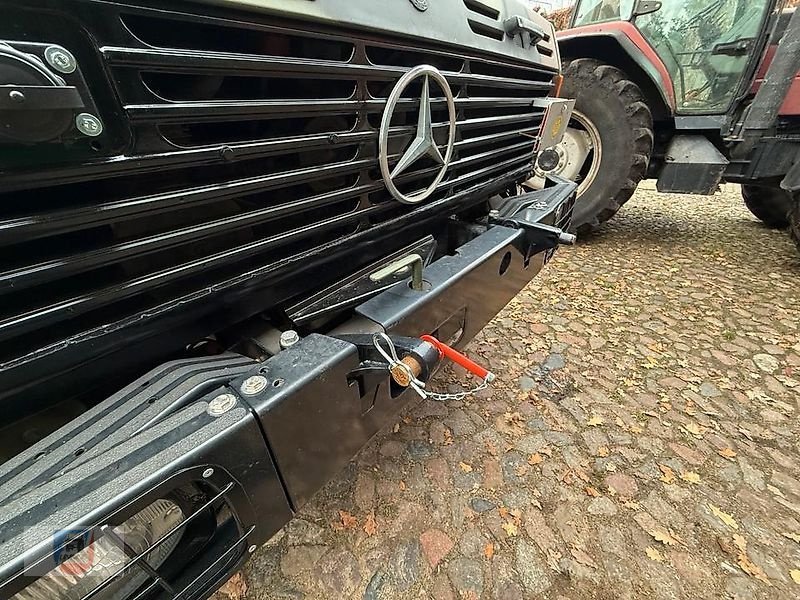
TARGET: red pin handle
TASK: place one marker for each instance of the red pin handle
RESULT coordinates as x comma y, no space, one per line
459,358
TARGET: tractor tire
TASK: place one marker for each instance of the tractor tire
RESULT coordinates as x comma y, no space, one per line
794,221
769,204
617,109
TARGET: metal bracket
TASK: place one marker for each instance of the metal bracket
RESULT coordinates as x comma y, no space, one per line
517,24
412,260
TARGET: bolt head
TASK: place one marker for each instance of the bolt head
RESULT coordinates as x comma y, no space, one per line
252,549
89,125
221,404
254,385
289,338
208,472
16,96
60,59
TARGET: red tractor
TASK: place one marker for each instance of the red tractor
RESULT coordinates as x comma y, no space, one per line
689,92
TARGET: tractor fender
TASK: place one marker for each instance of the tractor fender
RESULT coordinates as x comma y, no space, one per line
622,45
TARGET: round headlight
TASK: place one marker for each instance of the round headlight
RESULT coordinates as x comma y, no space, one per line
102,558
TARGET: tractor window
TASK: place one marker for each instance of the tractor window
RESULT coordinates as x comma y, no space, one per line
589,12
706,47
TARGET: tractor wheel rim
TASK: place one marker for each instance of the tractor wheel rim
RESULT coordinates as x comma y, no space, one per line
579,153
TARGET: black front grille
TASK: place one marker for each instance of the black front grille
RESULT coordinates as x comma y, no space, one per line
250,145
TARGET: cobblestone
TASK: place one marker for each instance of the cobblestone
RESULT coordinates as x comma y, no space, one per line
646,413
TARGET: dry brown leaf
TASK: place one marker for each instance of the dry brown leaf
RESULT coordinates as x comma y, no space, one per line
582,557
488,550
690,476
465,467
402,486
723,516
695,428
593,492
535,459
503,512
667,474
795,574
795,537
370,526
235,588
728,453
347,520
595,421
603,451
448,437
654,554
740,542
510,529
668,537
752,569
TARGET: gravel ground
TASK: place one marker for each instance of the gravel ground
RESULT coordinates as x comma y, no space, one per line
643,441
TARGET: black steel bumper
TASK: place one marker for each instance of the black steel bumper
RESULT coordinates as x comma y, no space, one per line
270,450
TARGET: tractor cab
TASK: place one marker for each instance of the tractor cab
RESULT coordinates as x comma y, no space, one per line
691,93
707,46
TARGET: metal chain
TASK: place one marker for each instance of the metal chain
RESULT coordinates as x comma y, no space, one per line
390,356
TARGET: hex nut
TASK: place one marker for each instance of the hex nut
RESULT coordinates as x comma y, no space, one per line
289,338
208,472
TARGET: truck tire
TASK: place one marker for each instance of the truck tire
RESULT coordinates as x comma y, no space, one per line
769,204
614,106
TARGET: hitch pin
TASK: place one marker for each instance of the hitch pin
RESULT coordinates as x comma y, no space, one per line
402,372
460,359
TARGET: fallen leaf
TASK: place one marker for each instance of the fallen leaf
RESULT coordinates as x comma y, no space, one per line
402,486
235,588
795,573
535,459
603,451
667,474
595,421
448,437
465,467
740,542
668,538
728,453
723,516
654,554
695,429
510,529
503,512
396,428
690,476
511,424
593,492
582,557
795,537
347,520
370,526
751,568
488,550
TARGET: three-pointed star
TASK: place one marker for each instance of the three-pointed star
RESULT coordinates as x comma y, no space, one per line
423,144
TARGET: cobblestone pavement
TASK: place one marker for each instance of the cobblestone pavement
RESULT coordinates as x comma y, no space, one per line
643,441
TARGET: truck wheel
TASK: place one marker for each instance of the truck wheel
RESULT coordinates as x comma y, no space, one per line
607,147
770,204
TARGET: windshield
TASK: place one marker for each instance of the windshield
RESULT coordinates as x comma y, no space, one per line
706,47
588,12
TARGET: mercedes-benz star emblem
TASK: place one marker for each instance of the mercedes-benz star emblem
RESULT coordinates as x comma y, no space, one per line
423,143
